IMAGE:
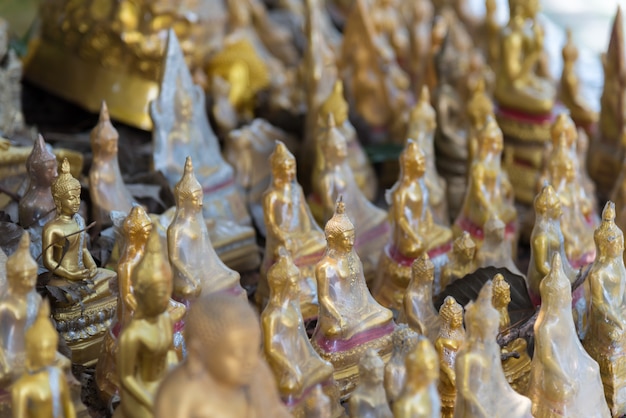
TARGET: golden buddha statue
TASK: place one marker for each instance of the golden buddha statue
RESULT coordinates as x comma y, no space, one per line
336,179
462,261
418,16
606,341
420,399
389,27
479,106
414,232
82,302
224,375
450,338
419,312
516,369
489,192
146,347
42,391
495,252
11,117
369,398
404,341
296,365
350,320
564,380
289,223
106,185
197,268
482,389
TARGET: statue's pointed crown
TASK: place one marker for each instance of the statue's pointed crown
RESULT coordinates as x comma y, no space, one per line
492,130
546,199
283,267
500,287
423,111
411,153
556,282
136,220
423,267
335,103
104,131
450,309
64,181
39,155
608,231
21,260
340,222
153,267
188,184
42,333
463,242
614,57
280,154
332,135
562,125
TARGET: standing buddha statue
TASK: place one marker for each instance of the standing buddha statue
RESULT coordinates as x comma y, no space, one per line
369,398
350,320
564,380
451,337
11,117
404,340
462,261
494,252
419,311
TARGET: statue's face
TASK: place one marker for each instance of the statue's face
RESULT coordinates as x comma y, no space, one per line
46,173
195,200
233,362
287,169
156,297
25,280
41,354
456,322
110,147
70,202
345,241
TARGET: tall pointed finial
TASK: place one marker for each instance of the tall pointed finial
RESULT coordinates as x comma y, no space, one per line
336,104
608,232
423,267
39,155
104,131
188,184
340,222
555,286
21,261
280,154
64,181
104,112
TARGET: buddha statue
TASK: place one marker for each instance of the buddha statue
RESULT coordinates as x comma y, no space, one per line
197,268
569,92
413,230
489,192
369,398
297,367
418,16
494,252
224,374
482,389
317,404
419,311
11,117
564,380
350,321
146,348
404,341
289,223
81,298
479,106
42,390
106,185
606,341
389,27
336,179
450,338
492,33
516,368
462,261
36,207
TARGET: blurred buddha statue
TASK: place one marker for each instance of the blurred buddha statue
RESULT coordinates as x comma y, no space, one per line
224,374
389,27
336,179
297,367
462,261
11,117
451,337
369,398
418,17
482,389
317,404
419,312
106,185
606,340
419,398
289,223
350,320
82,302
413,230
197,268
494,252
479,106
36,207
564,381
404,341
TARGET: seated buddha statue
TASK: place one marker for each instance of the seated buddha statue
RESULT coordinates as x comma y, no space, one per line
516,369
404,340
419,398
106,185
564,380
197,268
489,192
146,347
494,252
297,367
482,389
336,179
369,398
462,261
82,302
350,320
451,337
419,311
224,374
606,340
413,230
289,223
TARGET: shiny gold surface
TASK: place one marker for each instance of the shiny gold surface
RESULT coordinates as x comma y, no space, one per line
419,311
451,337
462,260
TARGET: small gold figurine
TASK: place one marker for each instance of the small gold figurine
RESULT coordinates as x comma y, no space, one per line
419,311
462,261
106,185
224,375
482,389
479,106
289,223
350,320
413,230
564,380
369,398
296,365
42,391
494,252
420,399
404,341
516,370
36,207
336,179
606,340
145,345
197,268
83,304
11,117
450,338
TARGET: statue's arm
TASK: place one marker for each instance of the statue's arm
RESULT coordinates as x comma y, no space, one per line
288,375
399,213
126,363
66,399
19,397
124,284
412,318
540,253
49,240
323,293
464,366
173,249
269,201
602,303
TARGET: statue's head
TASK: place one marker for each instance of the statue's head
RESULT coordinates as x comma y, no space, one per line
152,279
21,268
563,125
561,165
555,289
423,269
412,160
404,339
371,368
481,318
66,191
283,163
608,236
547,203
284,274
41,340
451,313
423,114
137,225
495,230
41,164
104,136
188,191
335,104
479,105
422,363
569,52
491,141
333,142
339,230
464,246
501,292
